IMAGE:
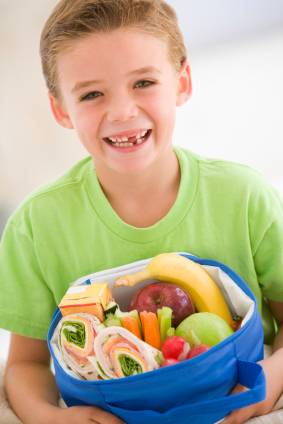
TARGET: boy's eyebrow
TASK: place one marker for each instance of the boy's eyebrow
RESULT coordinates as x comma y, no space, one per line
144,70
83,84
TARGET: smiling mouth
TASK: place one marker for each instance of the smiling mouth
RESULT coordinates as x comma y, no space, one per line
128,141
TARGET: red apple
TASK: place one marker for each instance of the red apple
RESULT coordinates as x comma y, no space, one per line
155,295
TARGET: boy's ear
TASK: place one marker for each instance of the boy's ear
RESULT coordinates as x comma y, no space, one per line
60,114
184,84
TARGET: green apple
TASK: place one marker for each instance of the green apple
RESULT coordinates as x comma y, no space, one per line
209,328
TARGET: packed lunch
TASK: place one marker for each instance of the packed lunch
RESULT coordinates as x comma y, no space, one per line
180,316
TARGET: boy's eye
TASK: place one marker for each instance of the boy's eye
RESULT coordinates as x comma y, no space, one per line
145,83
91,95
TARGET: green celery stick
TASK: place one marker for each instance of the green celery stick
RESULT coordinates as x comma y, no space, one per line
164,320
170,332
135,315
159,358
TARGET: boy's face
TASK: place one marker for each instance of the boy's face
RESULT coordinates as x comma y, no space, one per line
119,93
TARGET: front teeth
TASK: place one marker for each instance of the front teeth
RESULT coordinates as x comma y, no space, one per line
119,141
123,144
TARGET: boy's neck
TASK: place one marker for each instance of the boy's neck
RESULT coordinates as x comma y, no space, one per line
144,199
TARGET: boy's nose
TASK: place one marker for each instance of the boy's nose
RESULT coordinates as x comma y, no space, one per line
121,109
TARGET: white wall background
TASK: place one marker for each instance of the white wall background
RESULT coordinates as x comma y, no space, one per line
236,53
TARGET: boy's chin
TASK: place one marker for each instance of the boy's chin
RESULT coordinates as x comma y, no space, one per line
131,169
132,164
122,168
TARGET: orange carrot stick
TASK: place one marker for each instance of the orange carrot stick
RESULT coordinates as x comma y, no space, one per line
151,329
130,323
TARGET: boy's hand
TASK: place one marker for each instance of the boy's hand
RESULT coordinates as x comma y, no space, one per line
273,369
85,415
33,392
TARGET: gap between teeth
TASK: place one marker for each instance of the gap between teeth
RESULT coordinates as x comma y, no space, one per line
139,141
126,139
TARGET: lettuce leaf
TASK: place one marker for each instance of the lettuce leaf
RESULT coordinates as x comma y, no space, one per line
129,365
76,337
100,367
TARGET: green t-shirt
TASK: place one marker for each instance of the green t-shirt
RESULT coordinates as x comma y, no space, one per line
67,229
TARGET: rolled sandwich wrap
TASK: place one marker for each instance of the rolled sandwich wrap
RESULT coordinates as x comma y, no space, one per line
118,354
76,335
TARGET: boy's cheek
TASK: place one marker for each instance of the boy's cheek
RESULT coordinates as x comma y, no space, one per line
85,121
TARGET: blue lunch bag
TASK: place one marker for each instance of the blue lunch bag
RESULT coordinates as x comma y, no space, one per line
194,391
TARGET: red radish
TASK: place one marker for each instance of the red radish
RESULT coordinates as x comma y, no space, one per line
197,347
175,347
169,361
197,350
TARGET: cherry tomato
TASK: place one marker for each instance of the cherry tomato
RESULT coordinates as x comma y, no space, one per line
236,323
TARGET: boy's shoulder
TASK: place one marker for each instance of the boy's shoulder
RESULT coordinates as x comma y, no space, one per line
233,179
232,171
230,168
60,187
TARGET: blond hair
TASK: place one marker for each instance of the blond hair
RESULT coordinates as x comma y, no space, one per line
71,20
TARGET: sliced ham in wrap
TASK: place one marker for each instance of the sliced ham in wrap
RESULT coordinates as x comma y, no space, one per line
118,353
76,335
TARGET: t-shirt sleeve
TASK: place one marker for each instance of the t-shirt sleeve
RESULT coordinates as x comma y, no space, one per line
268,258
26,302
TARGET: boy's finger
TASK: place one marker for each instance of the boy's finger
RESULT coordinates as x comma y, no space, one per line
102,417
239,416
239,388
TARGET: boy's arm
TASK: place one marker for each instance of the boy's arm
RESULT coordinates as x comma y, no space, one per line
32,390
273,369
277,311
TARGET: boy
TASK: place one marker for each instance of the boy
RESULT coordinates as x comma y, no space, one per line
115,71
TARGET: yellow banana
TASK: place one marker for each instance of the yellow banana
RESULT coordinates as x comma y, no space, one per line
179,270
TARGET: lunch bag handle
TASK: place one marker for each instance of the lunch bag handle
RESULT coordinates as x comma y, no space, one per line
250,375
